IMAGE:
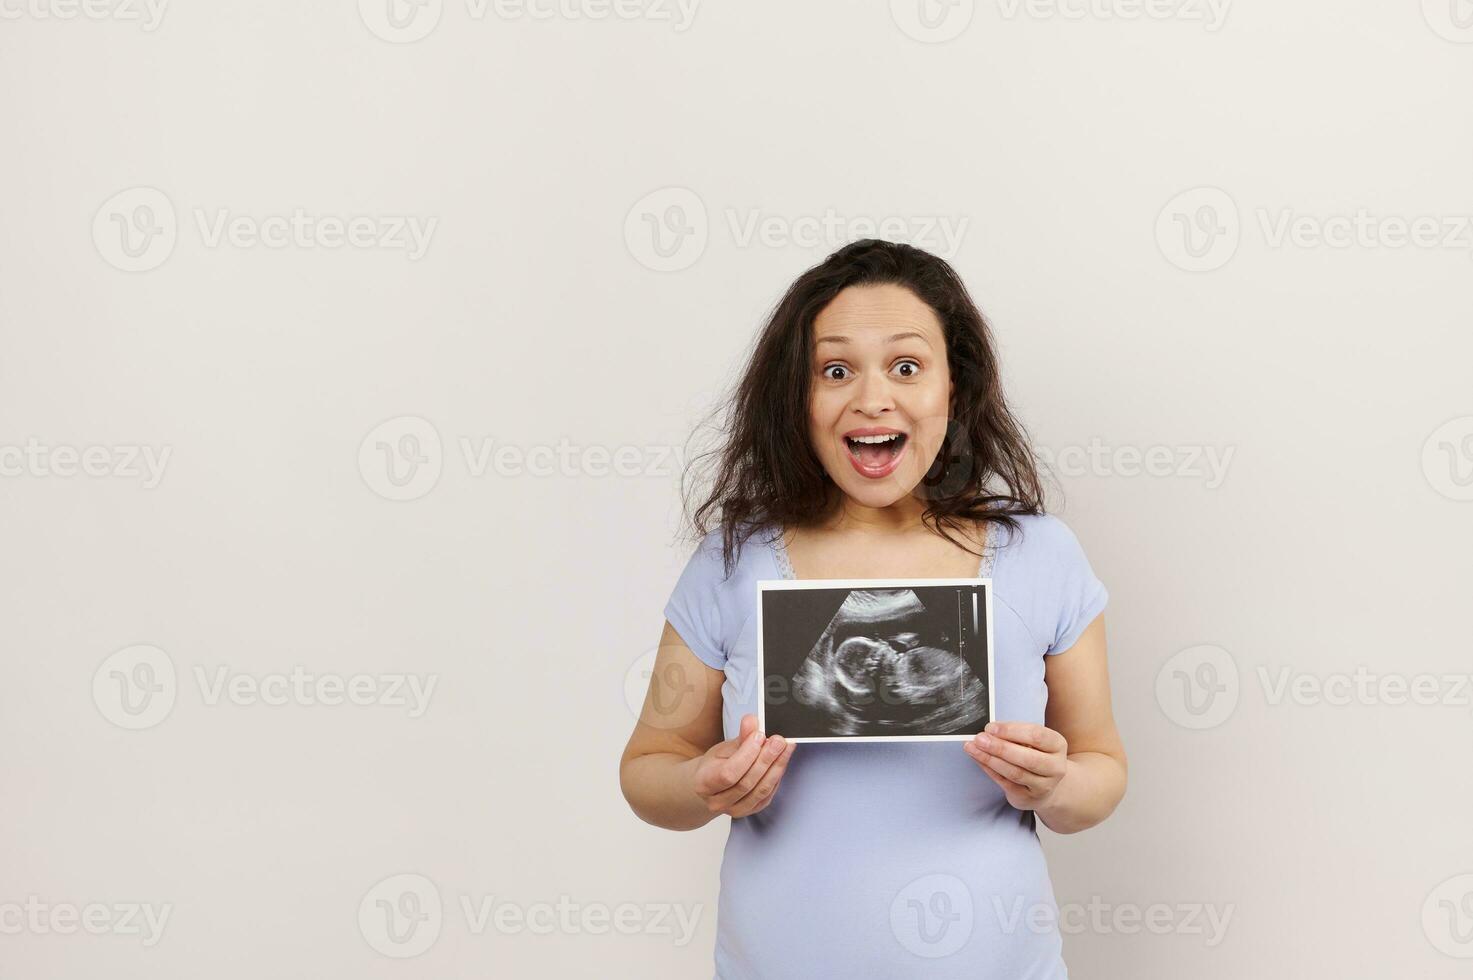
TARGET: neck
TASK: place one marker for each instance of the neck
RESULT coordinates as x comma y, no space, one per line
848,514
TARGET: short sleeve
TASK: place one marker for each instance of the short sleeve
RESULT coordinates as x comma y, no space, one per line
694,608
1082,596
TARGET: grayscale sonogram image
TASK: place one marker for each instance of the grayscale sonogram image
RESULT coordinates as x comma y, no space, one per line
872,662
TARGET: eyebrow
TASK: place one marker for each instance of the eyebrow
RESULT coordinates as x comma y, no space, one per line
837,339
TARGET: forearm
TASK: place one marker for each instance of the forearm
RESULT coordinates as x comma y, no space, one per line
1092,786
660,788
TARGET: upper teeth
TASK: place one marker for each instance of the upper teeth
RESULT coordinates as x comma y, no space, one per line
875,439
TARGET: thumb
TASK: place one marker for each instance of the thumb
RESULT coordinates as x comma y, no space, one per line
746,727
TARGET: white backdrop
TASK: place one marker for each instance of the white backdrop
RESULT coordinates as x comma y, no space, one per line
348,351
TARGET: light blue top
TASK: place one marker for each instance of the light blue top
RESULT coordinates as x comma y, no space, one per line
891,860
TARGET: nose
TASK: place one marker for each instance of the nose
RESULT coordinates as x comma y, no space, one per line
873,395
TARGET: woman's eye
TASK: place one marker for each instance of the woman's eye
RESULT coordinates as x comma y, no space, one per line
912,369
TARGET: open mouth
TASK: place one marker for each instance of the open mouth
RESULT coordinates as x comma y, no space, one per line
875,455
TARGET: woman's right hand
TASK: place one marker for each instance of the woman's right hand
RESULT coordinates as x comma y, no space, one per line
739,776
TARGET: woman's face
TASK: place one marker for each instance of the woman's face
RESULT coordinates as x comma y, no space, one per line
879,366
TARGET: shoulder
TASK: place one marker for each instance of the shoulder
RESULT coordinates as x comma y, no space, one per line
709,604
708,558
1047,580
1042,537
709,545
1042,560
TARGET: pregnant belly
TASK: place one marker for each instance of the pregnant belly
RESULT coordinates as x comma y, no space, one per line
897,874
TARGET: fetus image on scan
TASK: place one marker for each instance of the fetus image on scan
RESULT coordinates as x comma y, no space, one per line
886,666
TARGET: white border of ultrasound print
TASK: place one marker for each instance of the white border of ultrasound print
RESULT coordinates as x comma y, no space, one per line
764,585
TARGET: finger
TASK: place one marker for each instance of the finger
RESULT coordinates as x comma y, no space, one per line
732,768
1039,763
1013,773
1005,784
762,793
1027,733
728,748
981,758
771,749
1009,788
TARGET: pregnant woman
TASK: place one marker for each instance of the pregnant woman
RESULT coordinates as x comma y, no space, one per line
868,438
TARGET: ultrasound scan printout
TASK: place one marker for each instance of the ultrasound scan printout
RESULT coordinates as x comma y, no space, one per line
875,659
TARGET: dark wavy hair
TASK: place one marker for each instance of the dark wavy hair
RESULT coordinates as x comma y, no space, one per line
766,472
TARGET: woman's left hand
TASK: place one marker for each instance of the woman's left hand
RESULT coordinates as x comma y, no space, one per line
1026,760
